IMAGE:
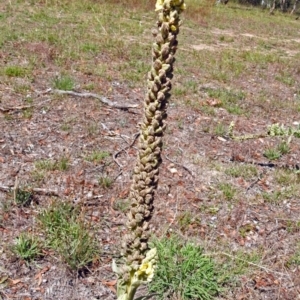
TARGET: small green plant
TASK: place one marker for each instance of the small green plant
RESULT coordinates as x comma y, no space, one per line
121,205
180,124
234,109
22,89
294,259
45,164
38,175
286,79
97,156
62,164
240,262
63,82
90,47
105,181
23,197
272,153
245,229
283,148
245,171
280,130
15,71
287,177
67,233
185,219
272,130
220,130
89,86
184,270
229,99
277,196
27,113
228,191
92,129
65,127
27,247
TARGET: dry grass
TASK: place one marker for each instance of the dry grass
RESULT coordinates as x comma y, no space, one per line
234,63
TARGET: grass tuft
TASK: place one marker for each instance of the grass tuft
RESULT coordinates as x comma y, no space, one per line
23,197
61,164
64,82
67,233
97,156
15,71
26,247
105,181
184,270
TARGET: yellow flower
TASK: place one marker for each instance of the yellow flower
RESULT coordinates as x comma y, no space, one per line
179,3
146,272
159,5
146,269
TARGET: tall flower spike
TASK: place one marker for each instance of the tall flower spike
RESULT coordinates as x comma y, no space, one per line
140,262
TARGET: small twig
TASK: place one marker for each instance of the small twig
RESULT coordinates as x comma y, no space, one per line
180,165
34,190
258,179
276,229
120,173
16,186
92,95
7,109
124,149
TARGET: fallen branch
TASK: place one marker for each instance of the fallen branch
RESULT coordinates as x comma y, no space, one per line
92,95
72,93
21,107
8,109
39,191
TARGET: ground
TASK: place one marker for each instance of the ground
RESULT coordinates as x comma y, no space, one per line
237,195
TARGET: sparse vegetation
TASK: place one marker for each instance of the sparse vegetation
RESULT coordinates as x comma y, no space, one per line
61,164
63,82
97,156
27,247
184,271
68,234
228,190
105,181
23,196
15,71
272,153
220,129
235,198
242,170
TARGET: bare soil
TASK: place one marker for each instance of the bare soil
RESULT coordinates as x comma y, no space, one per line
194,160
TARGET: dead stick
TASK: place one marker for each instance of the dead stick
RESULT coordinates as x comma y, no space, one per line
124,149
101,98
34,190
7,109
